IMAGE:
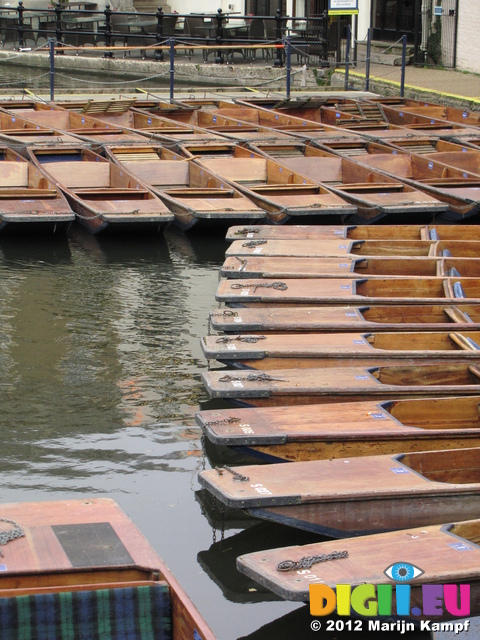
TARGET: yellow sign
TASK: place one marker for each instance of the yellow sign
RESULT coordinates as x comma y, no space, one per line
342,12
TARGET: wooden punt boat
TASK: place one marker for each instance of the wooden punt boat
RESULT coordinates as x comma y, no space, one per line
86,560
283,193
17,131
311,432
342,384
29,201
445,553
353,232
370,190
412,317
356,496
458,186
295,267
426,124
76,124
195,195
347,291
315,350
103,195
429,109
346,248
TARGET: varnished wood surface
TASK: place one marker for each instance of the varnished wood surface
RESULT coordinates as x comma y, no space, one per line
414,317
347,291
441,551
371,267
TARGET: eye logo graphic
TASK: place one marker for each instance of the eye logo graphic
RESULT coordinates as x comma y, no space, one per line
403,572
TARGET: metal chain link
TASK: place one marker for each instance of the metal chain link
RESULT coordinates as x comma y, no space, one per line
252,377
253,243
279,286
245,230
308,561
10,534
252,339
236,474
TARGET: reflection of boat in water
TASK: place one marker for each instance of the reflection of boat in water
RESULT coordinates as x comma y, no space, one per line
86,559
219,560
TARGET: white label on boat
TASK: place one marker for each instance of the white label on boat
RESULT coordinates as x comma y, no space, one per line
432,121
239,124
13,118
338,232
250,235
280,169
257,250
251,155
343,265
3,567
399,470
214,118
464,114
401,114
83,120
276,117
304,124
351,314
259,488
26,200
238,384
344,286
232,347
378,416
464,150
459,546
149,121
246,428
337,115
394,152
358,342
342,246
237,320
38,126
362,377
465,175
430,165
245,292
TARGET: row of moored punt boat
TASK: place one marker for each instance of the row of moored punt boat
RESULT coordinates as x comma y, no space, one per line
351,369
143,164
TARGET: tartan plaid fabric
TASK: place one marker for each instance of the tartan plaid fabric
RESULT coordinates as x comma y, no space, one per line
131,613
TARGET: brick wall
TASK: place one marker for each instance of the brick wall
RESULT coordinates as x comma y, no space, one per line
468,36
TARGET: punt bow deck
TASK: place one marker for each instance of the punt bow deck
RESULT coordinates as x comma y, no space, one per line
296,267
312,432
18,132
347,291
79,568
315,350
282,192
102,194
29,200
412,317
194,194
356,496
444,554
375,194
342,384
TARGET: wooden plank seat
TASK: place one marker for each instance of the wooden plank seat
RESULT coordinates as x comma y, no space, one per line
26,193
185,193
372,186
109,193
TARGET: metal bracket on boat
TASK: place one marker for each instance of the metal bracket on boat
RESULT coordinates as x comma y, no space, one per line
308,561
243,265
253,243
252,339
279,286
252,377
10,534
236,474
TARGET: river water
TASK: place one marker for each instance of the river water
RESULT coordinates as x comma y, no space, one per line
100,367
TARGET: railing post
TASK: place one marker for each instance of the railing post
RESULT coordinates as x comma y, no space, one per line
404,62
367,61
51,42
347,56
58,27
158,54
171,42
325,36
21,29
289,65
108,31
219,39
278,39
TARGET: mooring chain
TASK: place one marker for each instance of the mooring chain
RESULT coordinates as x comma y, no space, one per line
252,377
253,243
308,561
252,339
243,265
229,420
279,286
236,474
226,313
10,534
245,230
